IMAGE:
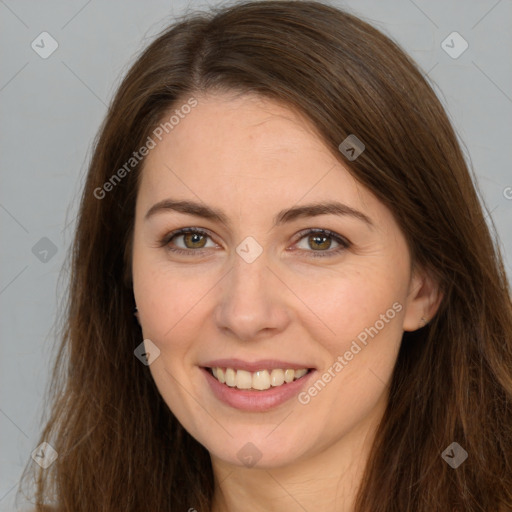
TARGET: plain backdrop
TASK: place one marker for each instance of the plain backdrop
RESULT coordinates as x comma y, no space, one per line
51,109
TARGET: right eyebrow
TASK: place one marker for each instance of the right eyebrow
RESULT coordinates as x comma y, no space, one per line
188,207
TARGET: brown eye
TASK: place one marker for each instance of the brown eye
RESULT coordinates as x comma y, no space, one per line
319,241
186,241
194,240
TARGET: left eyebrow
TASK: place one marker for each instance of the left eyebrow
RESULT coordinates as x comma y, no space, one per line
284,216
315,209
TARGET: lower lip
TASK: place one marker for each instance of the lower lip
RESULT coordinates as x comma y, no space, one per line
256,401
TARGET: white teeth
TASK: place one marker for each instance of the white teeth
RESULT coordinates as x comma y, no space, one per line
277,377
230,377
288,375
243,379
260,380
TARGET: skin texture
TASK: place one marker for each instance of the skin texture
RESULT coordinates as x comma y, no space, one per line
252,158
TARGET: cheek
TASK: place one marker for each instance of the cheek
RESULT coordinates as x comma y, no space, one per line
349,303
338,305
169,300
365,312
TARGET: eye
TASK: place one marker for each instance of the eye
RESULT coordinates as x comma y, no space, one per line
193,240
321,241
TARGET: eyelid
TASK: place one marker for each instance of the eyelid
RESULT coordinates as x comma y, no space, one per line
165,240
310,231
343,242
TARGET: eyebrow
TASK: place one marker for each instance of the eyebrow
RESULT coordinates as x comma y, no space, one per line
284,216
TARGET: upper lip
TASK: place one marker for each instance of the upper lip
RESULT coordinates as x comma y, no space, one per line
253,366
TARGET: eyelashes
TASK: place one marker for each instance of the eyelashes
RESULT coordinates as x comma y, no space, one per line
314,235
323,234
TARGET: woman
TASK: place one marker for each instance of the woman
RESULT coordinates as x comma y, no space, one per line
284,294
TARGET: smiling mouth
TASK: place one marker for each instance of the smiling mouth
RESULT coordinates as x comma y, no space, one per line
260,380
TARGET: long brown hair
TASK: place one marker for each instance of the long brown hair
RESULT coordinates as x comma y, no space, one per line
119,446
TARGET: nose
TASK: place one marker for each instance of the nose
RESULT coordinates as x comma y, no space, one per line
252,301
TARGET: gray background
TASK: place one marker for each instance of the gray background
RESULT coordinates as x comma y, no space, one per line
51,109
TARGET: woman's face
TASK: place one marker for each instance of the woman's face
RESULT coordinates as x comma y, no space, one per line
254,290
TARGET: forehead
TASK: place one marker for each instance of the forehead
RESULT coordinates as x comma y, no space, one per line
243,152
235,132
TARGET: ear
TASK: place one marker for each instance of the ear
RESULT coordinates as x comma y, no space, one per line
423,300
